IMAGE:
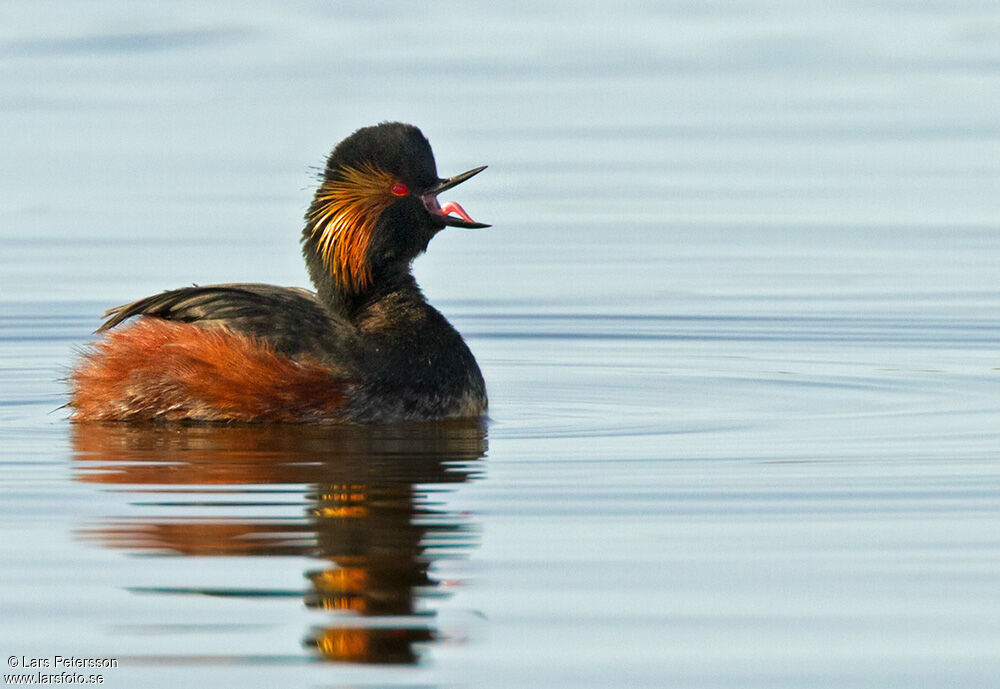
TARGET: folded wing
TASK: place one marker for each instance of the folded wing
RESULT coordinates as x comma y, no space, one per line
289,319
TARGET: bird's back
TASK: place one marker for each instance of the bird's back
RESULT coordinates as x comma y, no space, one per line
236,352
291,320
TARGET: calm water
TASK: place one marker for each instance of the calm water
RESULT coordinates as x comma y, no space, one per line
739,316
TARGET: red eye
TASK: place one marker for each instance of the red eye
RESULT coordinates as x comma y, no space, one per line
400,189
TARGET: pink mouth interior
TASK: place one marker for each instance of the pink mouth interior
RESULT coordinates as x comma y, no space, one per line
448,208
451,207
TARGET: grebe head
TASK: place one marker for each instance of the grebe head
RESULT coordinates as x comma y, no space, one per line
377,207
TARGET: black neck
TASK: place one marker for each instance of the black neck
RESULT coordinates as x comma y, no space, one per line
348,303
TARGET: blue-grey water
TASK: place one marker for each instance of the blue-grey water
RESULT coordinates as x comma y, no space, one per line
739,316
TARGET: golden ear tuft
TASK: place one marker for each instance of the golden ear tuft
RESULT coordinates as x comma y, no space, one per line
343,216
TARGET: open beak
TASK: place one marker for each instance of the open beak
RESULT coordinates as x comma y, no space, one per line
444,213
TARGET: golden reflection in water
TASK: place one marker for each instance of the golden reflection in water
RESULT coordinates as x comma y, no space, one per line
369,518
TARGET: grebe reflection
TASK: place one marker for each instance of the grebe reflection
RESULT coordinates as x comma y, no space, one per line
368,519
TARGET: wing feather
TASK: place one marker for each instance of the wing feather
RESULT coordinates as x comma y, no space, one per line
290,319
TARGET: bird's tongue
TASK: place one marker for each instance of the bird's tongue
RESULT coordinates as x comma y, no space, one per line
451,207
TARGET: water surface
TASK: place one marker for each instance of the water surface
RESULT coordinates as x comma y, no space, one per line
738,316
